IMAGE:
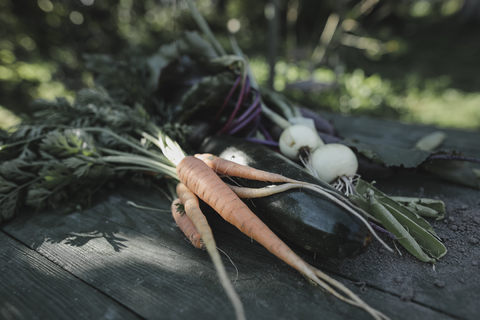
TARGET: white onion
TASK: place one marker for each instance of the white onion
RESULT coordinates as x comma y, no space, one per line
296,139
334,160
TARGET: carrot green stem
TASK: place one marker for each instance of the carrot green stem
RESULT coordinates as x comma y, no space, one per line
148,163
160,158
133,168
21,142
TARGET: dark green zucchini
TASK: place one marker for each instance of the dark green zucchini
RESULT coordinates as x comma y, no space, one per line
301,216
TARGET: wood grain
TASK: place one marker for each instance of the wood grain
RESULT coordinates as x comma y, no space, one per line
32,287
124,262
141,260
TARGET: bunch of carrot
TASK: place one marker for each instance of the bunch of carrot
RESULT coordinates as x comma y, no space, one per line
198,178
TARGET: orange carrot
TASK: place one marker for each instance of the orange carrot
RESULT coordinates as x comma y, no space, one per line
202,180
186,225
233,169
192,209
199,178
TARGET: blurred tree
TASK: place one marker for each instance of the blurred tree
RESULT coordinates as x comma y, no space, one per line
42,44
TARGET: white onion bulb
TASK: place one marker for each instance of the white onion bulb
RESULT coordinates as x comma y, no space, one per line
334,160
297,138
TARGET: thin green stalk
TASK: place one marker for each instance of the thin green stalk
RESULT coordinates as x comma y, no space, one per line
115,152
160,158
21,142
269,113
202,24
238,51
273,35
139,160
134,168
275,117
284,107
23,186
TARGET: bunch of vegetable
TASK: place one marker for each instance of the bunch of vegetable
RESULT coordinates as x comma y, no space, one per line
66,157
64,153
192,90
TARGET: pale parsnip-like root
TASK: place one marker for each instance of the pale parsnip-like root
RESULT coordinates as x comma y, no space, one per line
232,169
248,193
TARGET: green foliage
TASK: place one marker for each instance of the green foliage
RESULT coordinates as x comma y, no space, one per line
57,156
93,107
127,80
69,142
74,179
176,131
208,93
409,99
7,186
9,194
18,170
64,166
42,52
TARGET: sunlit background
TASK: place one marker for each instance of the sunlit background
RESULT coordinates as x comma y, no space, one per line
407,60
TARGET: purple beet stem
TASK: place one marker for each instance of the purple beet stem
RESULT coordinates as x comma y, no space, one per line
245,114
265,132
321,124
229,96
243,93
245,122
265,142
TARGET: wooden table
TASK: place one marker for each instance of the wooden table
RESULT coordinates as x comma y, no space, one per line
114,261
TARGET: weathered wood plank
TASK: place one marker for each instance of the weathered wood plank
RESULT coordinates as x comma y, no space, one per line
32,287
457,273
136,270
138,258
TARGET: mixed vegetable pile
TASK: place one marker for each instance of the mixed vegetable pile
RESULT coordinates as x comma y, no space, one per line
147,113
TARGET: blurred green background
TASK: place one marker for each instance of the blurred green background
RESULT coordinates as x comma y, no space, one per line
408,60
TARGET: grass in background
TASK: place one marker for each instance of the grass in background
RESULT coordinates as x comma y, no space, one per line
412,99
40,54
